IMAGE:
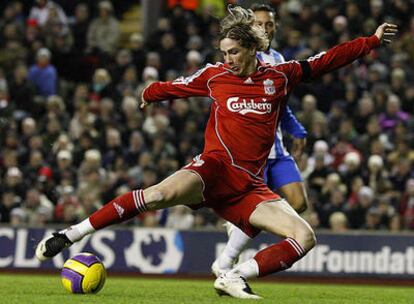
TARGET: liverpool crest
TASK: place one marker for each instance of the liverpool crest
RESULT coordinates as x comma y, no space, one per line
269,87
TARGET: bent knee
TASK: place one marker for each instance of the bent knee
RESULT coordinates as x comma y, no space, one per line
306,237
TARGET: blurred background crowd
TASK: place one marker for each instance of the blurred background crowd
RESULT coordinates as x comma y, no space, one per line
72,137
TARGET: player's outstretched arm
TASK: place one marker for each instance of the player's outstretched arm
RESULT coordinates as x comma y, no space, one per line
345,53
193,85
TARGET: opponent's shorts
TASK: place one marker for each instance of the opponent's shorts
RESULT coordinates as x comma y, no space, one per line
281,171
232,193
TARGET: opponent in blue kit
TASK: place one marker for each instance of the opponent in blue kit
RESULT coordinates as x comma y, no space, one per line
281,173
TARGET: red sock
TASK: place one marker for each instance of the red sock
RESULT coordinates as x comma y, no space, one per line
279,256
119,210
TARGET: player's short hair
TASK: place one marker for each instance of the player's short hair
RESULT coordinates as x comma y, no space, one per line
239,25
261,7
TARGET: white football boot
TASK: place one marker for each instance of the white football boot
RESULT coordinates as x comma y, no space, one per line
235,286
51,246
216,270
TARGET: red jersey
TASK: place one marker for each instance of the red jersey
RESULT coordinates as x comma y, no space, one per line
246,110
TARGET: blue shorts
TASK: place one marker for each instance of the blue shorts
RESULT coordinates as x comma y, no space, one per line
281,171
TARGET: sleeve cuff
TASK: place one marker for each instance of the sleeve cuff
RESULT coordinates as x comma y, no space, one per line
373,41
143,94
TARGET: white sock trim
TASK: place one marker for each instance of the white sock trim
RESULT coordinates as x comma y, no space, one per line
138,196
298,248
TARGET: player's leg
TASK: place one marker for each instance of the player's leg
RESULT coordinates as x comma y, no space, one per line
183,187
237,241
295,194
281,174
279,218
285,179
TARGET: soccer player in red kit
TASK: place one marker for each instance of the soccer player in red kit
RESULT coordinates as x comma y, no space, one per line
247,100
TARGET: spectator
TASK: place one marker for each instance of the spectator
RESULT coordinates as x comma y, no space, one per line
376,177
44,10
89,203
101,85
135,148
43,74
193,61
80,26
112,147
294,45
55,108
372,219
103,32
399,175
335,204
64,169
350,167
17,217
14,182
91,175
138,52
22,91
310,113
338,222
365,110
68,209
128,82
32,169
37,208
402,151
82,121
406,205
356,211
317,177
62,143
170,54
386,210
8,202
333,182
393,114
123,60
29,129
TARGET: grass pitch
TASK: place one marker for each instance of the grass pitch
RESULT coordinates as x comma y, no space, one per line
45,289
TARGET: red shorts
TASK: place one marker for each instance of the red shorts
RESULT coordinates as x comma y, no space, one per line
232,193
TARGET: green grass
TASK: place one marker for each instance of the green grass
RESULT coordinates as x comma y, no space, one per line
47,289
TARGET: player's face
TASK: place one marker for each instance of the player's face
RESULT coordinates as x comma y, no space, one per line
266,20
241,60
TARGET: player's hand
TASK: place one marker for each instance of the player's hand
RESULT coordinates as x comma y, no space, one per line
298,146
386,32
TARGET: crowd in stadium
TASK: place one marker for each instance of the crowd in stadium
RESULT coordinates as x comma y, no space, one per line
72,137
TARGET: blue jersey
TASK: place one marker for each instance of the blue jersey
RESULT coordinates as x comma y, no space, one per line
288,122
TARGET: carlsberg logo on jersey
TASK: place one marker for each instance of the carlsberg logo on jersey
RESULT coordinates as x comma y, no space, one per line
244,106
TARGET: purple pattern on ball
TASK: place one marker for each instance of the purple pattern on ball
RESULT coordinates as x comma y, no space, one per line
75,278
87,260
